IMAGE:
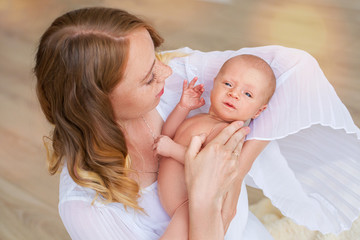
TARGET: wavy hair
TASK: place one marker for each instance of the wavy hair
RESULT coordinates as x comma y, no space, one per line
81,57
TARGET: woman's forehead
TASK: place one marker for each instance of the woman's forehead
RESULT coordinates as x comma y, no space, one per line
141,55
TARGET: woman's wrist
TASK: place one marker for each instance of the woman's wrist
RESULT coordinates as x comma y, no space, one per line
201,200
205,219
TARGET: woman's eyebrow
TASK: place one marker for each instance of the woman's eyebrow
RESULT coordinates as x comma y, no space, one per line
147,75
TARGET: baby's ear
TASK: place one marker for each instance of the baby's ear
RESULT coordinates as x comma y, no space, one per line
260,111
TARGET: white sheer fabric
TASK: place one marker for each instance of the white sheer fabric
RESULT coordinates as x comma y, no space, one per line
111,221
310,170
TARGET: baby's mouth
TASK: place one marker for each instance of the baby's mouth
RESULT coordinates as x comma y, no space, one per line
229,105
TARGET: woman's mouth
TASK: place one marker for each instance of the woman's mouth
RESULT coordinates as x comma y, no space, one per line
160,93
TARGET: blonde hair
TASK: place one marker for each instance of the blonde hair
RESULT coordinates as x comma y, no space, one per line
166,57
80,59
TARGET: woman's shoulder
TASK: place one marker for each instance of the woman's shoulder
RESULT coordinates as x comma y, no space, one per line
69,190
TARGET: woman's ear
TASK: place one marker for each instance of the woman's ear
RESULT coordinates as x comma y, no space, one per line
259,111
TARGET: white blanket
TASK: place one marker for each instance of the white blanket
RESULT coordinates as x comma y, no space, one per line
283,228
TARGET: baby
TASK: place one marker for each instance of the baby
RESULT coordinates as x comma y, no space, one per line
242,90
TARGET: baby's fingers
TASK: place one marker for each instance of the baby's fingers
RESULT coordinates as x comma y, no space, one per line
199,88
185,85
200,103
192,83
157,139
194,146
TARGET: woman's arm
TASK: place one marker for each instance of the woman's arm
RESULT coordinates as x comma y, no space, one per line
84,221
250,151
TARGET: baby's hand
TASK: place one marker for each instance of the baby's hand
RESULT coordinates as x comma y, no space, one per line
191,96
162,146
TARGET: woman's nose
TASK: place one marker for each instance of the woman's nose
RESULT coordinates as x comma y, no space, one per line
233,95
164,72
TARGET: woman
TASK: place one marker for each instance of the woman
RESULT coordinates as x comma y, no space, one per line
99,84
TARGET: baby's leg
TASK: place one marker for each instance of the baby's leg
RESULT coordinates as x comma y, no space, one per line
178,228
171,185
173,197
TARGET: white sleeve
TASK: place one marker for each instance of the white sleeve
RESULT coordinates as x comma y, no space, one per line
84,221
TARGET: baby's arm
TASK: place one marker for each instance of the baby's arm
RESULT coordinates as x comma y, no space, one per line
190,99
166,147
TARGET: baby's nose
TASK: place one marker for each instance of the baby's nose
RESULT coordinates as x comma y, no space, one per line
233,95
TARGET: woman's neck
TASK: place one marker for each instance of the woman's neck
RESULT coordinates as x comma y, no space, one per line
140,134
153,116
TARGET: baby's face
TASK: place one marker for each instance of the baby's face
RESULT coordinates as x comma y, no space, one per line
239,93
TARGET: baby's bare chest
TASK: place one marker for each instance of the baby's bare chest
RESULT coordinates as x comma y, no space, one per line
194,126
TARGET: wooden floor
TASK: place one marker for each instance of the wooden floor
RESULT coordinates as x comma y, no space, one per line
328,29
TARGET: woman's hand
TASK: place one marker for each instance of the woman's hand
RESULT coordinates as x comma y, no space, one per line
209,175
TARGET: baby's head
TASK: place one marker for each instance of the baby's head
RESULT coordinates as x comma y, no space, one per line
242,88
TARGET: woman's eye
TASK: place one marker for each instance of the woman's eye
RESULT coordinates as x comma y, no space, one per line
228,84
151,80
248,94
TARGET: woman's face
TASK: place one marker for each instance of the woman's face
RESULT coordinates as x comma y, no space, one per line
143,83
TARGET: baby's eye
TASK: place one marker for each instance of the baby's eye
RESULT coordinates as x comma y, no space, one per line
248,94
228,84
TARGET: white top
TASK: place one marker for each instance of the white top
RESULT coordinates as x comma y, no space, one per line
310,171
